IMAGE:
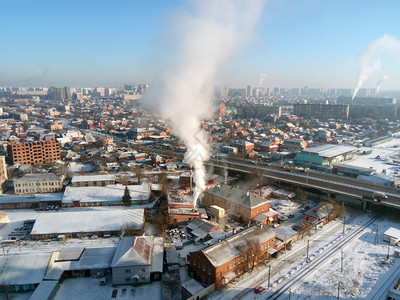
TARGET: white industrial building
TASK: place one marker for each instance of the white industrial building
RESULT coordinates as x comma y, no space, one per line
105,195
87,222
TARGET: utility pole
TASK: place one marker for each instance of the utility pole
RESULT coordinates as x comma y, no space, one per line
376,235
285,243
341,260
338,290
388,250
290,293
308,246
344,224
269,275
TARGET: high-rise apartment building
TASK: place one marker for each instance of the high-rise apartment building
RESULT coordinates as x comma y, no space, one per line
249,91
34,153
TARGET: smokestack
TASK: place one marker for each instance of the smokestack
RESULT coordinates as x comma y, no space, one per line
191,180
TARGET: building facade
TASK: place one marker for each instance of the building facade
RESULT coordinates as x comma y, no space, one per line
92,180
247,204
34,153
37,183
323,111
231,258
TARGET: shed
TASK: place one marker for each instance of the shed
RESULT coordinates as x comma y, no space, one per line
392,235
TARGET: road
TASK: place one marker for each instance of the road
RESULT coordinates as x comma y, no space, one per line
322,181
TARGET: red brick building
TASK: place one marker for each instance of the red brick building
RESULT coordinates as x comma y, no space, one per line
34,153
247,204
231,258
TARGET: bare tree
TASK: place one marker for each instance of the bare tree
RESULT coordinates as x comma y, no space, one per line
252,252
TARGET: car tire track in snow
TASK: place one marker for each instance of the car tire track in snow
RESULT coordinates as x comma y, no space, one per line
318,260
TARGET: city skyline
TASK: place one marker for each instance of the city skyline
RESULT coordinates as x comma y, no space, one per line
307,43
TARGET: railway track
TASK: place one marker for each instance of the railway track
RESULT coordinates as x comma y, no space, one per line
318,260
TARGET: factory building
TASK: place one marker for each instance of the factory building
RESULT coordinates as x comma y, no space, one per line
323,157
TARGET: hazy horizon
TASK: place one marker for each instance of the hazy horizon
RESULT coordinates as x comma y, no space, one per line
101,43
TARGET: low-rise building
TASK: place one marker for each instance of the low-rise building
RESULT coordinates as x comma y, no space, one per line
137,260
92,180
247,204
105,195
88,222
232,257
37,183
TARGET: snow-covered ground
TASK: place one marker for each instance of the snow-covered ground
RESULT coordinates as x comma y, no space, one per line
363,271
87,288
387,152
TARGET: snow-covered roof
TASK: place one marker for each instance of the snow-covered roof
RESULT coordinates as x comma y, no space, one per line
200,228
158,255
86,178
88,221
330,150
262,216
234,246
236,195
393,232
44,290
37,177
192,286
18,269
109,193
133,251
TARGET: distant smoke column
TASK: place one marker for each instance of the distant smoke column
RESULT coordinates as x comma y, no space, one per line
379,83
211,34
370,57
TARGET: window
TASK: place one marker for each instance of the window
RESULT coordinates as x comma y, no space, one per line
127,271
204,268
143,270
209,272
128,279
194,263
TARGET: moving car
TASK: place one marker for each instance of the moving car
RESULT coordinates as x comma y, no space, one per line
258,289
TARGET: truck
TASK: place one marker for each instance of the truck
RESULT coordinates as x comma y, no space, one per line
376,196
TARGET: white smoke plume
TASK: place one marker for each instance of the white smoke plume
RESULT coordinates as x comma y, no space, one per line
370,57
261,78
379,84
209,35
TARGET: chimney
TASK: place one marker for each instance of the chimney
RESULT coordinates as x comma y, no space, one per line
191,180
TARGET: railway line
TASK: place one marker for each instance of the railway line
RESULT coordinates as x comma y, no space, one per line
332,248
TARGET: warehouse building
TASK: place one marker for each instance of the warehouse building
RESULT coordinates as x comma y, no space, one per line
82,223
22,272
323,157
105,195
92,180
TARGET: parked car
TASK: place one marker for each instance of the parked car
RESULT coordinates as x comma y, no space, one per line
258,289
103,281
291,216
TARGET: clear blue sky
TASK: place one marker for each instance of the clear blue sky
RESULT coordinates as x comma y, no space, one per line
108,43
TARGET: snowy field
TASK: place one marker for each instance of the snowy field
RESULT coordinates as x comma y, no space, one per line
363,270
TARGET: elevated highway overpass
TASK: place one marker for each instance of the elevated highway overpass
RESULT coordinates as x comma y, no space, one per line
328,183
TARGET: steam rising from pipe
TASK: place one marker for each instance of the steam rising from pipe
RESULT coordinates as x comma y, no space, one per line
379,83
370,57
209,36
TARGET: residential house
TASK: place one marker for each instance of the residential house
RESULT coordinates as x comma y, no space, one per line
137,260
